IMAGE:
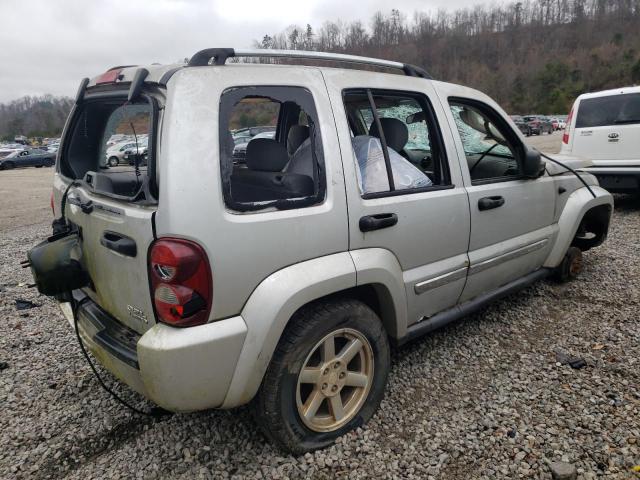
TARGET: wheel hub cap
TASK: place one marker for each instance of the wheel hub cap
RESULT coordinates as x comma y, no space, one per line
335,380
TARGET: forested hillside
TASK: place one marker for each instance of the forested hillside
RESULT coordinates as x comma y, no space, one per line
34,116
531,56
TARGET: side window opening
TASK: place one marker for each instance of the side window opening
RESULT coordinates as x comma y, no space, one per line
396,142
489,147
270,148
110,147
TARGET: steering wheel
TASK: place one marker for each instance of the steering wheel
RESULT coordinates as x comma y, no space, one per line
484,154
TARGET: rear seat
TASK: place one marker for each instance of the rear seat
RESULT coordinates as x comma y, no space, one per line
264,179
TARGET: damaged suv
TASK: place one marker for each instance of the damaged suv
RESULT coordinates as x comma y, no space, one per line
384,207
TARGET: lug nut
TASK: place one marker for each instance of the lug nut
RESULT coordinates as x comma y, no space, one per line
334,388
336,365
326,371
324,386
342,375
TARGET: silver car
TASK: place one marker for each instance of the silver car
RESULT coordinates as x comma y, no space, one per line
385,206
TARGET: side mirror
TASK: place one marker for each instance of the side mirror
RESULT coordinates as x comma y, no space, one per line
533,166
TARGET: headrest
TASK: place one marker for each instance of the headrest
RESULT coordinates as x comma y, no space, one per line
266,155
396,133
297,135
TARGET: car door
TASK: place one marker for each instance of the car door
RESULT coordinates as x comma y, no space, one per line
512,217
423,218
25,158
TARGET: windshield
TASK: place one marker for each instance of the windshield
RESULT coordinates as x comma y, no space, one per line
474,140
418,137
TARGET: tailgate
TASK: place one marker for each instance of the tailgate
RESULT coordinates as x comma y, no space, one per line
616,143
115,240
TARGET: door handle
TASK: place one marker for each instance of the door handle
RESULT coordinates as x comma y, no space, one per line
487,203
119,243
369,223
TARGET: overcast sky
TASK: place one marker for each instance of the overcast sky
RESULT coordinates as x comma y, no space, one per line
47,46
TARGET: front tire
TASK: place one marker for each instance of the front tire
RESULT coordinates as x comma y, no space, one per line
326,378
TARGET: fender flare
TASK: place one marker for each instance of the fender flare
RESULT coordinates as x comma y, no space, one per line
269,309
578,204
299,284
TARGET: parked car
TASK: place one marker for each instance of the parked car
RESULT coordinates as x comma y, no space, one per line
538,124
562,122
29,157
605,128
115,154
282,282
130,155
522,125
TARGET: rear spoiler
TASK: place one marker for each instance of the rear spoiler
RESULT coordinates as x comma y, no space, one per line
134,88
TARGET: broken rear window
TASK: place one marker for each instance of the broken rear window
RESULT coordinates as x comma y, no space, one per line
110,147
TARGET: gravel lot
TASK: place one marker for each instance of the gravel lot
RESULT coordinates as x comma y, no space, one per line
485,398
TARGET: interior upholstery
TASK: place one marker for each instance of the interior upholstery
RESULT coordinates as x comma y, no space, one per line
263,179
395,131
266,155
297,135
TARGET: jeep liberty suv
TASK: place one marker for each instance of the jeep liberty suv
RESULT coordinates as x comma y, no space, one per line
383,206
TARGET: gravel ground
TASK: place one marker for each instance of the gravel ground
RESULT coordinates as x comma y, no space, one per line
485,398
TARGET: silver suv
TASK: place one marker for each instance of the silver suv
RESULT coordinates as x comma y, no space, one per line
384,207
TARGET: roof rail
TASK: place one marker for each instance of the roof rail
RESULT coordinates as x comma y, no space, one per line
219,56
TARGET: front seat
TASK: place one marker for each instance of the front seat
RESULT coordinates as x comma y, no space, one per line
395,131
297,135
263,179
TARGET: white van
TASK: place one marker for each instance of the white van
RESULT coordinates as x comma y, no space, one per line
605,127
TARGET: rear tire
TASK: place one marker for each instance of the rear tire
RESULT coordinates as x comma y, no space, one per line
570,267
338,391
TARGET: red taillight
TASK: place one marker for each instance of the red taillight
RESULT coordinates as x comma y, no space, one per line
181,284
53,210
110,76
567,128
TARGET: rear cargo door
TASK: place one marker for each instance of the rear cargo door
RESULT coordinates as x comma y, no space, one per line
115,240
608,128
112,208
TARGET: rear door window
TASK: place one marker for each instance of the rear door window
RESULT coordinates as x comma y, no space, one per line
621,109
396,142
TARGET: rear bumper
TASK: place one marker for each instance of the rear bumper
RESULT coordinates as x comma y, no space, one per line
179,369
617,179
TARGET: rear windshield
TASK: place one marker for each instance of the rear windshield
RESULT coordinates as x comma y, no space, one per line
110,146
612,110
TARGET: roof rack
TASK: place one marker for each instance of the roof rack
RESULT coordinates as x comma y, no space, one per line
219,56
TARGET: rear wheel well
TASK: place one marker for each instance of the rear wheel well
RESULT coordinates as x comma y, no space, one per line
376,296
593,228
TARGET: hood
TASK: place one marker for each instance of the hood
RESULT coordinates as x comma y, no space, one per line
572,161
